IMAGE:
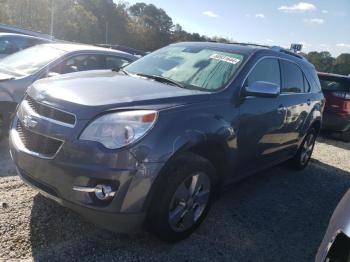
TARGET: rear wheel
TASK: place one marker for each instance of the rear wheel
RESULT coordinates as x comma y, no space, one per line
183,198
303,156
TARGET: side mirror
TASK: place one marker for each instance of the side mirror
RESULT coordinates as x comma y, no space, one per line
263,89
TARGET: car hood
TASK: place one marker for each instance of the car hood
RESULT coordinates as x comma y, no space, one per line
107,89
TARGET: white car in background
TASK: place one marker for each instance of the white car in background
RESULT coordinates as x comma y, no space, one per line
18,71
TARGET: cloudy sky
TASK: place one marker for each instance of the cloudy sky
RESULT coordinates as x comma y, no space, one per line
318,24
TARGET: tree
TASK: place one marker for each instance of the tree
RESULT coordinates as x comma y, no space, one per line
143,26
342,64
151,25
31,14
323,61
74,23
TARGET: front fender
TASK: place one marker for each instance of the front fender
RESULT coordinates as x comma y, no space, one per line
178,130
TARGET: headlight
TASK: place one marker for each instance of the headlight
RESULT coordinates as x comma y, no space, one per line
116,130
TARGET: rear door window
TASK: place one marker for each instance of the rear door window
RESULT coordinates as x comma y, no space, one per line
293,78
267,70
89,62
80,63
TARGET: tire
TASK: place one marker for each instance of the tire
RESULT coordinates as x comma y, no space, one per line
303,155
345,136
182,199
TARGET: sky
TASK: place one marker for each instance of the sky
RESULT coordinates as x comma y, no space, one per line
320,25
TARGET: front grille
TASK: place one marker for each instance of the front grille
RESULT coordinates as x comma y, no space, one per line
36,143
51,113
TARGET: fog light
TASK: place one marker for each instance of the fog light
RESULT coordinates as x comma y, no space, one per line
102,192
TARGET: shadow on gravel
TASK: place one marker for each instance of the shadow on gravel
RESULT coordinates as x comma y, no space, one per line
7,167
275,215
333,140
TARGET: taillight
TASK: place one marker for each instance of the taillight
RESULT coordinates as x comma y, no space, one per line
341,94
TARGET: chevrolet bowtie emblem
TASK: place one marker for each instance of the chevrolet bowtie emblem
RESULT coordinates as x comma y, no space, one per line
29,122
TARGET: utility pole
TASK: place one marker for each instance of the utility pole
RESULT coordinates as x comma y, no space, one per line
52,19
106,33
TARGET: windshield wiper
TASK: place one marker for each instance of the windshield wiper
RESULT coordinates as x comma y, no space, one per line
162,79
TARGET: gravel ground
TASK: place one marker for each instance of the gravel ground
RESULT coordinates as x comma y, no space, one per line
276,215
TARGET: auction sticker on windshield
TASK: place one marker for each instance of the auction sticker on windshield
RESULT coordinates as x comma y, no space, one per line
225,58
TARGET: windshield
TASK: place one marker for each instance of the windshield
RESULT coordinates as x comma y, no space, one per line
30,60
191,66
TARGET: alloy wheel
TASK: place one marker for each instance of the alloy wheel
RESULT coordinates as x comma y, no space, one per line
189,201
307,148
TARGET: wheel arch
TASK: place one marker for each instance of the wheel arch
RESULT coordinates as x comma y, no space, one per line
316,124
212,150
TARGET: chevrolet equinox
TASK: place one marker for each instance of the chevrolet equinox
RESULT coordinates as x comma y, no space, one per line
151,143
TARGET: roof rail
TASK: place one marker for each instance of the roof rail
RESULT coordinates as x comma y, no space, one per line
239,43
274,48
286,51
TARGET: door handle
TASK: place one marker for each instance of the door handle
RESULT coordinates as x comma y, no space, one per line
308,102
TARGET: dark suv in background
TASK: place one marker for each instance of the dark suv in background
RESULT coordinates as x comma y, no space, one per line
336,116
149,144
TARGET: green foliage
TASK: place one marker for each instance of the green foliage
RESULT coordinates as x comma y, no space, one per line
324,62
342,64
143,26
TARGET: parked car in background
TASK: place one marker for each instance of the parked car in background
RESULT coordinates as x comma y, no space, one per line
336,116
149,144
20,70
335,246
12,43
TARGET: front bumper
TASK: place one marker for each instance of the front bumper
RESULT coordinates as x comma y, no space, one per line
117,222
87,164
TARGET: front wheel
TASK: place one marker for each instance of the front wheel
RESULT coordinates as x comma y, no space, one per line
303,156
183,198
